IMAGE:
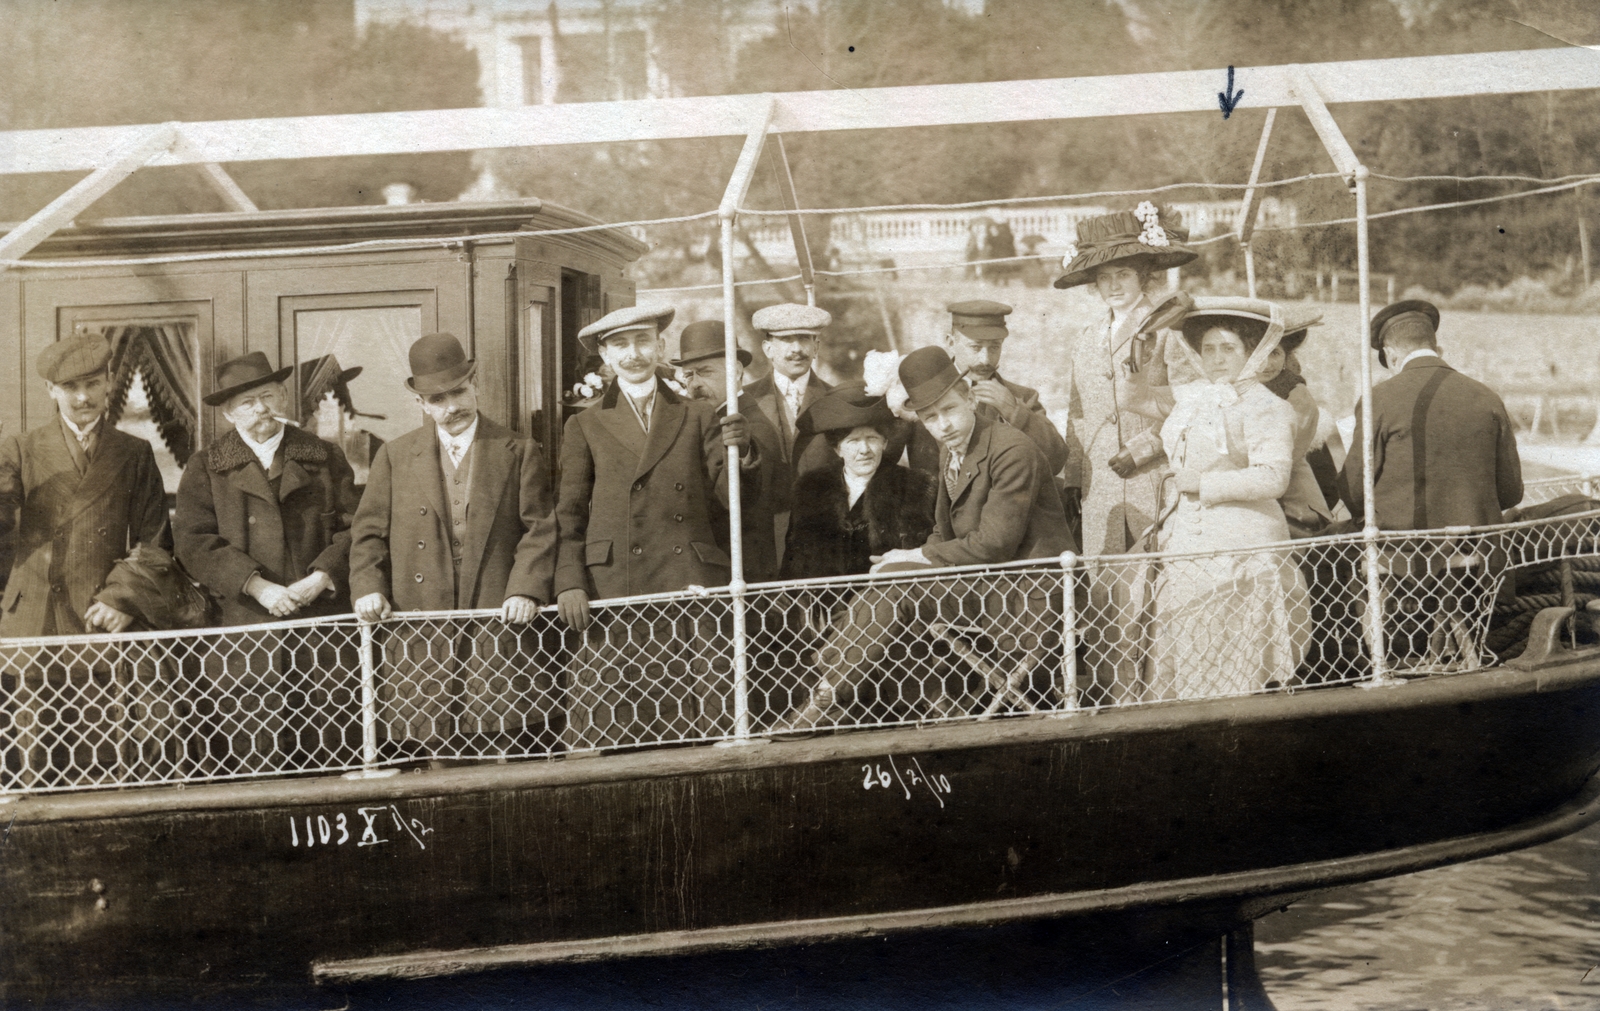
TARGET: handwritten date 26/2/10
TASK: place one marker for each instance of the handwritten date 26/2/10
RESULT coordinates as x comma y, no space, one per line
907,779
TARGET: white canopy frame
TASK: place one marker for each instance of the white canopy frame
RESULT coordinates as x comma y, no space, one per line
113,153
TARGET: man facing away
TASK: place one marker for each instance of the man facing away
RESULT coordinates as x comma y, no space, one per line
996,503
702,363
456,516
76,497
643,479
1444,450
263,522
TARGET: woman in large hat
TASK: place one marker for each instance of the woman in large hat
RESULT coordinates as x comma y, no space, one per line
1237,621
1115,361
861,503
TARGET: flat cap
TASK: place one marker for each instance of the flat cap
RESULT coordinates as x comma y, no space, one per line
1389,313
980,319
791,318
78,355
634,317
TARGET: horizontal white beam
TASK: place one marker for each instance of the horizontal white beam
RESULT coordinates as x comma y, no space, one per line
801,111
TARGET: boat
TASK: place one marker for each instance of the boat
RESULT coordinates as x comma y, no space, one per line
988,781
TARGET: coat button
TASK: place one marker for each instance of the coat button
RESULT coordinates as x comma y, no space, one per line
677,549
422,511
251,521
678,517
638,550
638,486
419,577
421,545
678,486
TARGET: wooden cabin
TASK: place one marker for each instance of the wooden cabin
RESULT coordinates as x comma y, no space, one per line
178,295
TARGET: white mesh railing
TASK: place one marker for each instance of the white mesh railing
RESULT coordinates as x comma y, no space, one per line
1047,636
1547,488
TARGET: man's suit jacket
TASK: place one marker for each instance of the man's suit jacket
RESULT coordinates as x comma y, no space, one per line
1028,417
764,492
764,393
229,523
638,512
1445,453
400,540
1005,507
67,530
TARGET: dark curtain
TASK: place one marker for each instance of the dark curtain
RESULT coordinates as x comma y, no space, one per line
164,353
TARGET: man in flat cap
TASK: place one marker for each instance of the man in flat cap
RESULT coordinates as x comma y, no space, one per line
643,480
77,496
996,503
702,363
263,523
1445,453
977,334
456,516
790,333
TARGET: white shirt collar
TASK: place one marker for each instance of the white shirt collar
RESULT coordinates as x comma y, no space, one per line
84,432
1418,353
265,451
788,387
857,485
457,445
638,391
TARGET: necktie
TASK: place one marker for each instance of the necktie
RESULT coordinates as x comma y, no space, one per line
951,474
791,397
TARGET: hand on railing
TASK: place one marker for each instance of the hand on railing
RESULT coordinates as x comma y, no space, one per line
374,607
573,606
519,610
105,618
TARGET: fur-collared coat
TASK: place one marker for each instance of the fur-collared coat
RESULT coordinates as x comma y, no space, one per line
66,530
229,523
830,537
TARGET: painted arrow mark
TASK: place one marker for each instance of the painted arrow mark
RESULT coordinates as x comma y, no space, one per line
1229,103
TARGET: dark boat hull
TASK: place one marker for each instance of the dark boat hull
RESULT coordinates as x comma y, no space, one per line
1206,813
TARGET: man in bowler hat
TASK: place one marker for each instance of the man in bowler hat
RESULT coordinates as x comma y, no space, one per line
643,480
456,516
702,364
76,497
1444,450
996,503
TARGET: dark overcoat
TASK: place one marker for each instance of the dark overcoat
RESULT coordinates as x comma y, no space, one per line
229,524
1444,451
1005,506
764,394
400,538
637,512
66,530
764,492
829,537
1029,418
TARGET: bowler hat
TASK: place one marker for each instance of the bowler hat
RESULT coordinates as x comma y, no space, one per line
843,408
705,339
1389,312
927,374
72,357
979,319
244,373
321,375
633,317
1124,237
438,364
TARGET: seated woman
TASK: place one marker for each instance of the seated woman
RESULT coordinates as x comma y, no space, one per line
856,506
1230,623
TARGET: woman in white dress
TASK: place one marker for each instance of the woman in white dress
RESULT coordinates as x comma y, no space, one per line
1114,361
1238,622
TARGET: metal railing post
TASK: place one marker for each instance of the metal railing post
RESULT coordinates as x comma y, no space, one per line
369,712
1369,528
1069,632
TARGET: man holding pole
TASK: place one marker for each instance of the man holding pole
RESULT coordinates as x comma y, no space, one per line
643,478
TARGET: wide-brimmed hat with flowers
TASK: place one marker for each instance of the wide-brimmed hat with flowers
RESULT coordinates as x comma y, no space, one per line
1149,232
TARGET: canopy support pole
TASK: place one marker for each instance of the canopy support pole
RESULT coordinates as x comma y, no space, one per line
797,227
738,186
60,212
1247,211
1355,176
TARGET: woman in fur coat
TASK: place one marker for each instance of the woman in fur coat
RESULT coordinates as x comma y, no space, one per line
859,505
